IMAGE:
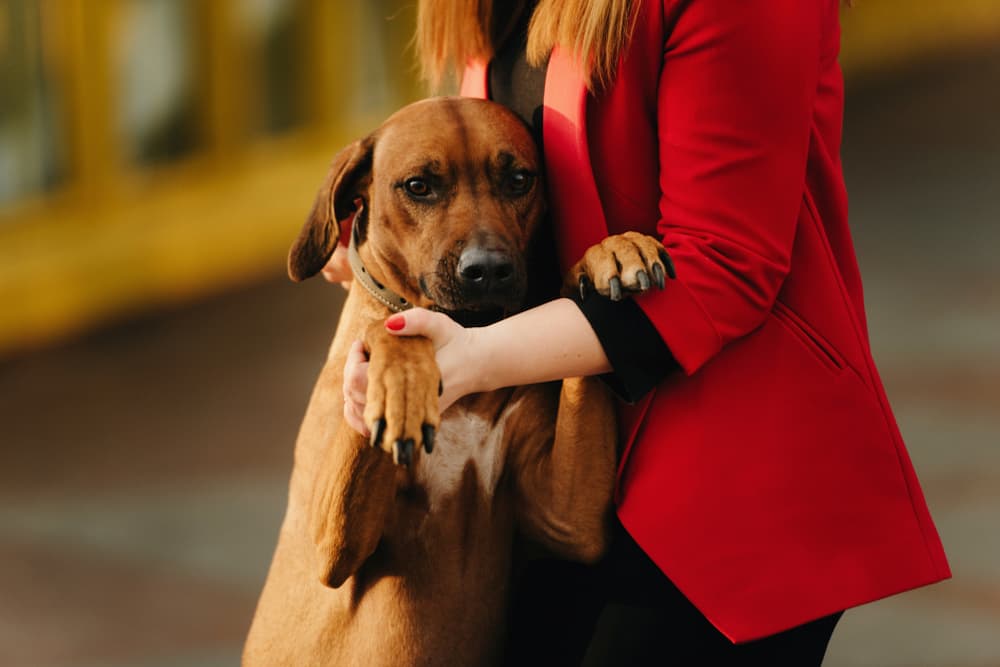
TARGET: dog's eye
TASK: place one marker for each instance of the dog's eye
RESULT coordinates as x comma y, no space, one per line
417,187
520,182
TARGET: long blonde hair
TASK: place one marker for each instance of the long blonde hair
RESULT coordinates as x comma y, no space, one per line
596,32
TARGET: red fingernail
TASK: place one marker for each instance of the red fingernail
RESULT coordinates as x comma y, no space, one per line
395,323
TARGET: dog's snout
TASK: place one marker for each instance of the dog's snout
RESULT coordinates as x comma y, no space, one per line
485,270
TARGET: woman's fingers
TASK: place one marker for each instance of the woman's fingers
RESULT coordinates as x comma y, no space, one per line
356,387
454,346
354,416
338,269
421,322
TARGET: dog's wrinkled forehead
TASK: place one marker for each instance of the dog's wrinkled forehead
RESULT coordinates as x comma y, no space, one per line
453,134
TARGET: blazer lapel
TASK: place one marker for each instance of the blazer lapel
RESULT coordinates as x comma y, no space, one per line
573,198
577,212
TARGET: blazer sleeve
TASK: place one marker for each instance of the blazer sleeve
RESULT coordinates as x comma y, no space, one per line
733,106
638,356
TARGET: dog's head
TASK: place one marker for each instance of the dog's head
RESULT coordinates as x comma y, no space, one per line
451,193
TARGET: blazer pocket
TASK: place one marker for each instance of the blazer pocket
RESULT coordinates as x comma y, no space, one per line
810,339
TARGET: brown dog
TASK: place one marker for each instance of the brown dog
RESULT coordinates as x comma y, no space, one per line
404,559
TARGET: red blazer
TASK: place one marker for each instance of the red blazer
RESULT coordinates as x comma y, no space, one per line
768,480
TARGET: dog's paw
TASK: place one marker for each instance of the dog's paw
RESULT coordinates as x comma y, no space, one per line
620,264
401,408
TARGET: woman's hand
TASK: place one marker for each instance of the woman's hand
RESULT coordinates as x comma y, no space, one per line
456,359
338,269
462,370
356,387
548,342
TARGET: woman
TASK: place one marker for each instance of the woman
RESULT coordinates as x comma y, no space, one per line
764,487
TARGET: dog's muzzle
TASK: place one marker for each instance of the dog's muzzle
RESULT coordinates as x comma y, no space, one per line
486,275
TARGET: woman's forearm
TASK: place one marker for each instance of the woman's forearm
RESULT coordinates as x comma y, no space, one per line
549,342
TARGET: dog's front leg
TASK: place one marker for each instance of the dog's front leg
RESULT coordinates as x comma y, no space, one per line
356,481
565,486
619,266
564,481
352,489
401,407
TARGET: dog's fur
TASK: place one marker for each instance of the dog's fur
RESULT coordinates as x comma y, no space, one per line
385,564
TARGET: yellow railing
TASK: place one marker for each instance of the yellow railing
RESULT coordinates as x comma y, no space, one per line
882,34
115,237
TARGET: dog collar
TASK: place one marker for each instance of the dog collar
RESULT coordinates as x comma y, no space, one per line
382,294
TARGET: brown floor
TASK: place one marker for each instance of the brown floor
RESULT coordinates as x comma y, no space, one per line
143,468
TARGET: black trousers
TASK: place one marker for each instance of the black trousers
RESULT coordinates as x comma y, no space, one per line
624,611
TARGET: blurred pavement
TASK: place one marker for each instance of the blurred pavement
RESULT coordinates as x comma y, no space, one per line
143,468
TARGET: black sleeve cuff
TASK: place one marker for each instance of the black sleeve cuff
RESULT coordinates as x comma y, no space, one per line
639,358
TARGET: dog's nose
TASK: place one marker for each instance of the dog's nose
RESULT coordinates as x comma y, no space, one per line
483,270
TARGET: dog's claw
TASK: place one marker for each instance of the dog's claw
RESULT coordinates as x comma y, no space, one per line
643,279
377,433
403,452
428,433
658,277
669,263
584,286
615,287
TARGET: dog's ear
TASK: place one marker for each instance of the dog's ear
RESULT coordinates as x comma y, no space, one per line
349,173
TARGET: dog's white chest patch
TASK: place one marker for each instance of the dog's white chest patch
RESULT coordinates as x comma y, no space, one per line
462,438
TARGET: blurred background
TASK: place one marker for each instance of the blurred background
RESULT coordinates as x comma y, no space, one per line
157,157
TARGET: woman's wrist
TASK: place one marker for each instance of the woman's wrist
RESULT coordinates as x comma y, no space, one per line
486,369
549,342
461,365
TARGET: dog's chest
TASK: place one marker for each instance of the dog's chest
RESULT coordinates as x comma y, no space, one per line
465,438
